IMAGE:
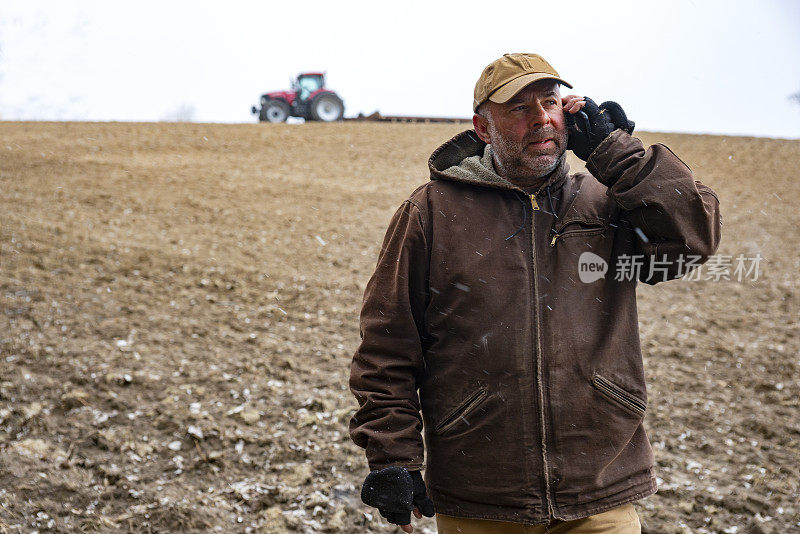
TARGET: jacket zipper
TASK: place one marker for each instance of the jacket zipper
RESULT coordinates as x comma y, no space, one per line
588,230
539,387
534,204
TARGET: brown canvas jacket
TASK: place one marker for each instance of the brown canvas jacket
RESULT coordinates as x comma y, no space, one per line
477,329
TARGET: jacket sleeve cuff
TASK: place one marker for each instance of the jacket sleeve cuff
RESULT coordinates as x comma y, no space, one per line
410,466
602,160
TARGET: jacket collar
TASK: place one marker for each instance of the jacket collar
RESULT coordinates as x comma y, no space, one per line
468,153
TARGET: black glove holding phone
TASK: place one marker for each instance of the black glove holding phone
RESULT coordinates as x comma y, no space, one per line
588,127
395,492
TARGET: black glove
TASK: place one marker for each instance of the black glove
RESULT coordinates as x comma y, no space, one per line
395,491
592,124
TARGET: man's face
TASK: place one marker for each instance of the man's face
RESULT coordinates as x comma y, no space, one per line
527,133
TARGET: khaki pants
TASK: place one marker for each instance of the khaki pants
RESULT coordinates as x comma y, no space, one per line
622,520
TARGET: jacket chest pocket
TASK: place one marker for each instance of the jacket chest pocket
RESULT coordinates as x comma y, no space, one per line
460,412
618,395
571,228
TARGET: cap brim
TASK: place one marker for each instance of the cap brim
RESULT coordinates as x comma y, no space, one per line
507,91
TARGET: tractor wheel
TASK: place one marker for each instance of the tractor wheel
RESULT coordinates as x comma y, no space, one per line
327,108
274,111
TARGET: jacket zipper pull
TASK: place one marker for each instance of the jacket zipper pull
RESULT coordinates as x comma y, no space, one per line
553,241
534,204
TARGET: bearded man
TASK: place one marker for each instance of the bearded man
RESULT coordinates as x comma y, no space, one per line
498,323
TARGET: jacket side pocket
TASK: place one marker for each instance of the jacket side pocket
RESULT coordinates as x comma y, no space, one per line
618,395
459,412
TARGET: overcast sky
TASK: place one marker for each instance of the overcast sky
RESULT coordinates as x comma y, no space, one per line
681,66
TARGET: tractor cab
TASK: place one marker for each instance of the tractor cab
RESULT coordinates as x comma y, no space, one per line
308,83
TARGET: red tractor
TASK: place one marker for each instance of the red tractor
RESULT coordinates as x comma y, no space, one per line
308,99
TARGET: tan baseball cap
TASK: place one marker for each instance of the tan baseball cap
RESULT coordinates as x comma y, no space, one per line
507,76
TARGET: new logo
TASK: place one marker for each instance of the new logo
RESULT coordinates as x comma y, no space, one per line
591,267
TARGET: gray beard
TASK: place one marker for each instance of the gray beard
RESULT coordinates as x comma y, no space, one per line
516,170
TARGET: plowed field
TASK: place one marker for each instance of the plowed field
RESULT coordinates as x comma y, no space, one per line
179,305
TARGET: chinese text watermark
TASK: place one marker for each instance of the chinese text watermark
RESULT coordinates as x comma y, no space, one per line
741,268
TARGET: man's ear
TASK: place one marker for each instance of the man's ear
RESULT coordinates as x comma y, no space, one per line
481,125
